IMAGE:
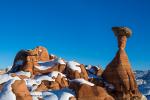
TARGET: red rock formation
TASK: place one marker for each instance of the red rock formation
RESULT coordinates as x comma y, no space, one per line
119,73
76,74
26,60
59,83
87,92
20,90
56,67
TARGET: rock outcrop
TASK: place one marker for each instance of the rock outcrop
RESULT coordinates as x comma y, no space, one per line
37,75
21,91
119,73
88,91
78,71
29,60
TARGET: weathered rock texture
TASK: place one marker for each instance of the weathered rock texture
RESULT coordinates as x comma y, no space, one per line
86,92
119,73
75,74
20,90
26,60
38,72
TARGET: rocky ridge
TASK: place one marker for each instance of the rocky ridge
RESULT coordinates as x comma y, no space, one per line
38,75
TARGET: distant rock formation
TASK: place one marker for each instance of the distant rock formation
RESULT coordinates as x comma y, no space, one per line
119,73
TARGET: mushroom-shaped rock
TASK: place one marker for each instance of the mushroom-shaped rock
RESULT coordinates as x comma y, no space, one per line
118,72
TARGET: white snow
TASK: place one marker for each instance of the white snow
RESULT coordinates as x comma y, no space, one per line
19,62
33,83
140,81
74,66
55,74
39,79
82,81
6,93
63,94
30,82
4,78
52,55
28,74
49,64
60,61
45,65
66,96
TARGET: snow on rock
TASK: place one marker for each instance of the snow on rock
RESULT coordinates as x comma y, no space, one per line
66,96
82,81
63,94
28,74
74,66
30,82
55,74
140,81
39,79
5,78
45,65
60,61
33,83
6,93
49,64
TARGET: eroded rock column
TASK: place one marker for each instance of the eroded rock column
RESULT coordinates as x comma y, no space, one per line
119,73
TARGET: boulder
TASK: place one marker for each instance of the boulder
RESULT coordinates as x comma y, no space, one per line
74,74
20,89
87,92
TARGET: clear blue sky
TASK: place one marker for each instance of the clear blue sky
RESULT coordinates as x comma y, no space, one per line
75,29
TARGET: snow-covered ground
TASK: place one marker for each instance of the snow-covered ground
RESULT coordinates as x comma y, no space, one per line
143,81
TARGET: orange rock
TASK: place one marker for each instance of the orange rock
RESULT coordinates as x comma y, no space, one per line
119,73
42,53
20,90
71,74
86,92
44,86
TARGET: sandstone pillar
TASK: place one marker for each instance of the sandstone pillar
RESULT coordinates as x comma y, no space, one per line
119,73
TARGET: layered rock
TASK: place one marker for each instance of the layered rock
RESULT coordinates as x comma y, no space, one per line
58,83
88,91
39,76
28,60
119,73
75,70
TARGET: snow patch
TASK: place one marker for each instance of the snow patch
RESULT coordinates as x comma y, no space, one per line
28,74
74,66
63,94
49,64
6,93
56,73
4,78
82,81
